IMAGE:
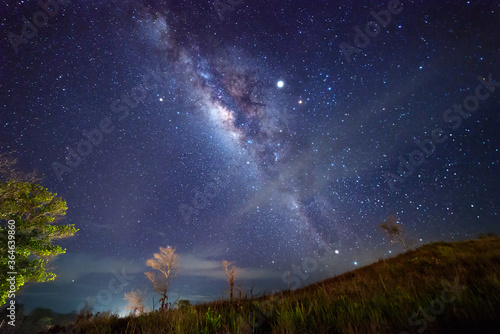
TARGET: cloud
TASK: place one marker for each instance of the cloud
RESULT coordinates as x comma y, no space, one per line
203,266
72,266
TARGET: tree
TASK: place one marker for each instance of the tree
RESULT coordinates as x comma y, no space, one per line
166,262
8,169
183,304
135,301
230,270
27,211
395,231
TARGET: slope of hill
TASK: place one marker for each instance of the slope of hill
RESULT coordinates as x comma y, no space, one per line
438,288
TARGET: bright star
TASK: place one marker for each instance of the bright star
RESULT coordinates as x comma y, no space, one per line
280,84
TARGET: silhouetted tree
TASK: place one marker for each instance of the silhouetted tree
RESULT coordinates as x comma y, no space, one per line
395,231
166,262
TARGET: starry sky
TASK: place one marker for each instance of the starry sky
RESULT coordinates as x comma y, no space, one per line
275,134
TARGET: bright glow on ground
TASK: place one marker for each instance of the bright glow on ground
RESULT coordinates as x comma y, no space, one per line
122,312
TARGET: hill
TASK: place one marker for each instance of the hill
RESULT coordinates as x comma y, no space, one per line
438,288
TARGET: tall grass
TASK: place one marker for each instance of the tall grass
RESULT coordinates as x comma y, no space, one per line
380,298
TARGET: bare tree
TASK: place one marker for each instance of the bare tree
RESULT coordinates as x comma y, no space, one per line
395,231
231,275
9,171
135,301
166,262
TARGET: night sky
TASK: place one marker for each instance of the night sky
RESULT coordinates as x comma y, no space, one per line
275,134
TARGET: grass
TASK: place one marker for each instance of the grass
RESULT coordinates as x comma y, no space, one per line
438,288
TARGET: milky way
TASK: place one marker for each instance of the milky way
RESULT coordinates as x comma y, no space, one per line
247,111
206,152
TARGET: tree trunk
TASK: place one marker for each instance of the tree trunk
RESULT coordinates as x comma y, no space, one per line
163,301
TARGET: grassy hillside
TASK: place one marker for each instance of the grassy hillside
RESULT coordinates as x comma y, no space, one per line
438,288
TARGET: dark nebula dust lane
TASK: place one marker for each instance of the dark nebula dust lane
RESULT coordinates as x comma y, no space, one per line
249,112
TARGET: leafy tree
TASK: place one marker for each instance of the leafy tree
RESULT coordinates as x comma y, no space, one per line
166,262
395,231
27,211
183,303
230,270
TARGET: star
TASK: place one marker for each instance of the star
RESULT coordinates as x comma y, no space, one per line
173,129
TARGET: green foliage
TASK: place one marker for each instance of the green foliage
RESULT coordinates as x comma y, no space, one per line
213,322
45,321
33,209
183,303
